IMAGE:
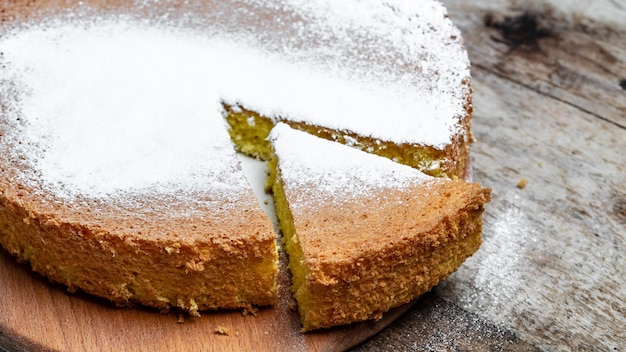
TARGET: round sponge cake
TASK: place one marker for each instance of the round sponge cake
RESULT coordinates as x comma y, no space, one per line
118,176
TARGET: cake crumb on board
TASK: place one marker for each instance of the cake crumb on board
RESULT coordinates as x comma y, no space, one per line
522,183
250,311
222,330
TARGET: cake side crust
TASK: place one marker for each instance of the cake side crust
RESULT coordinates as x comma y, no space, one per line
130,269
335,287
364,234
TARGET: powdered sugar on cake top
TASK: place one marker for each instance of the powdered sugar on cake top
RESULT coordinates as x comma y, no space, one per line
117,108
389,70
113,103
330,168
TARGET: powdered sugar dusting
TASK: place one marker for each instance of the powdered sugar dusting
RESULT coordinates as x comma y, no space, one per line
113,102
336,169
390,70
105,106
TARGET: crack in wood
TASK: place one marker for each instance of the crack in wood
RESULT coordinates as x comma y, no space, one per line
619,208
561,100
576,50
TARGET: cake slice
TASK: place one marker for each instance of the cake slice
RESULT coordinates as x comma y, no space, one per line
365,234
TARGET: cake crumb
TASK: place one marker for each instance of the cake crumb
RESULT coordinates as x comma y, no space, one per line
522,183
222,330
181,319
250,311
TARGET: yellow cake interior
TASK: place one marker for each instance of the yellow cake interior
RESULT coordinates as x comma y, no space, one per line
249,131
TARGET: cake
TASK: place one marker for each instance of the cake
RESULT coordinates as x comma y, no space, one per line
119,123
363,233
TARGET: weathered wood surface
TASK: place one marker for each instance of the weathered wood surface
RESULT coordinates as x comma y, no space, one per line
550,107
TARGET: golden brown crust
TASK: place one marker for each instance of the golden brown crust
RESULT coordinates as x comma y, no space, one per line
192,251
389,218
155,260
365,255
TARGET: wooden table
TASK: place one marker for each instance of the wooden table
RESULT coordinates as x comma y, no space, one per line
550,109
550,100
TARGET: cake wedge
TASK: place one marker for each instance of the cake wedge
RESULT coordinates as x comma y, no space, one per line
365,234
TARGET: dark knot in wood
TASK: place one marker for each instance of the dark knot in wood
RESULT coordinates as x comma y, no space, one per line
525,29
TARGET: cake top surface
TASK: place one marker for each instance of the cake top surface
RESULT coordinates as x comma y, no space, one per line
334,171
111,97
108,109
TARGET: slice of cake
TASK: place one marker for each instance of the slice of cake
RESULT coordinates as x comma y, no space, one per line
365,234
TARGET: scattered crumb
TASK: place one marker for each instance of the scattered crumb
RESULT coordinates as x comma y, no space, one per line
522,183
193,310
181,319
195,313
250,311
222,330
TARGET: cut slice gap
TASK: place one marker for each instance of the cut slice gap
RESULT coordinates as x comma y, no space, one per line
257,173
